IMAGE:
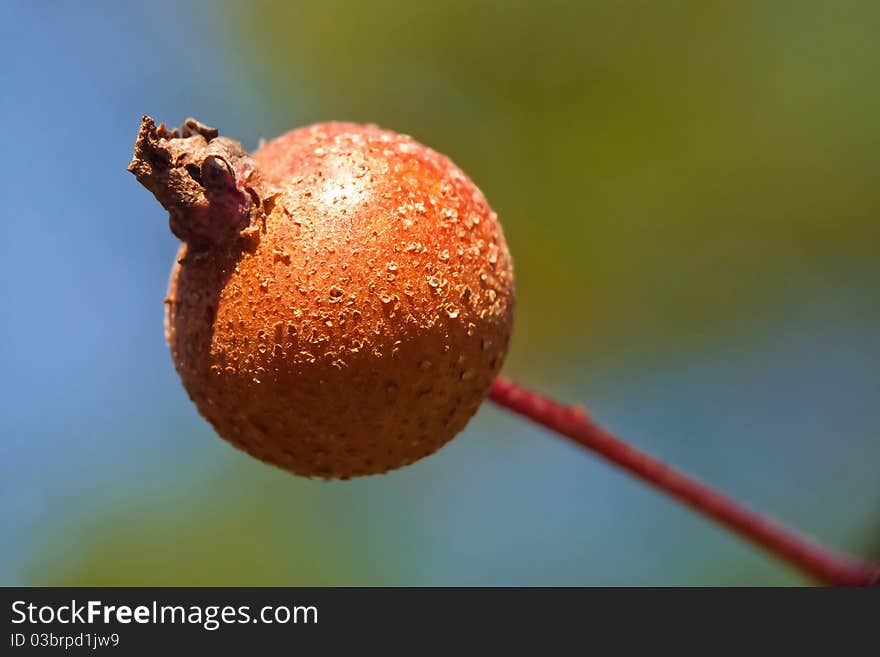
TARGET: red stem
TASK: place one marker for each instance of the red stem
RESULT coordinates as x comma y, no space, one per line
810,558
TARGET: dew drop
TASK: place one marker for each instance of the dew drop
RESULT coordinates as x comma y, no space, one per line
493,254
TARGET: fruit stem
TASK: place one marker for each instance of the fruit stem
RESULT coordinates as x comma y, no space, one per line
810,558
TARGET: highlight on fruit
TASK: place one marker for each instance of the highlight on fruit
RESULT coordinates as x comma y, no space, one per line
342,298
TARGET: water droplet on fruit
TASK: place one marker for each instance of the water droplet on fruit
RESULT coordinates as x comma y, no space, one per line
493,254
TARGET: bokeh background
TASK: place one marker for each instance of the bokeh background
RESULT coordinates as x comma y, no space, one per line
691,193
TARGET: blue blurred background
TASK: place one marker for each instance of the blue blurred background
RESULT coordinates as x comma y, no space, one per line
691,194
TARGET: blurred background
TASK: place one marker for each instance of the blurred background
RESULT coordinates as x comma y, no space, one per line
690,191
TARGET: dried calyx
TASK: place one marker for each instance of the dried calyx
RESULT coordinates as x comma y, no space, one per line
208,183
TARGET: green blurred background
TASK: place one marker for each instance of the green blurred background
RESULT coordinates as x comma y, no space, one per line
690,191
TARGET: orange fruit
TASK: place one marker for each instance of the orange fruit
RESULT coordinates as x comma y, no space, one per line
343,297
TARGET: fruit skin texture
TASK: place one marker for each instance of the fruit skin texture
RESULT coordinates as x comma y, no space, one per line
354,325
